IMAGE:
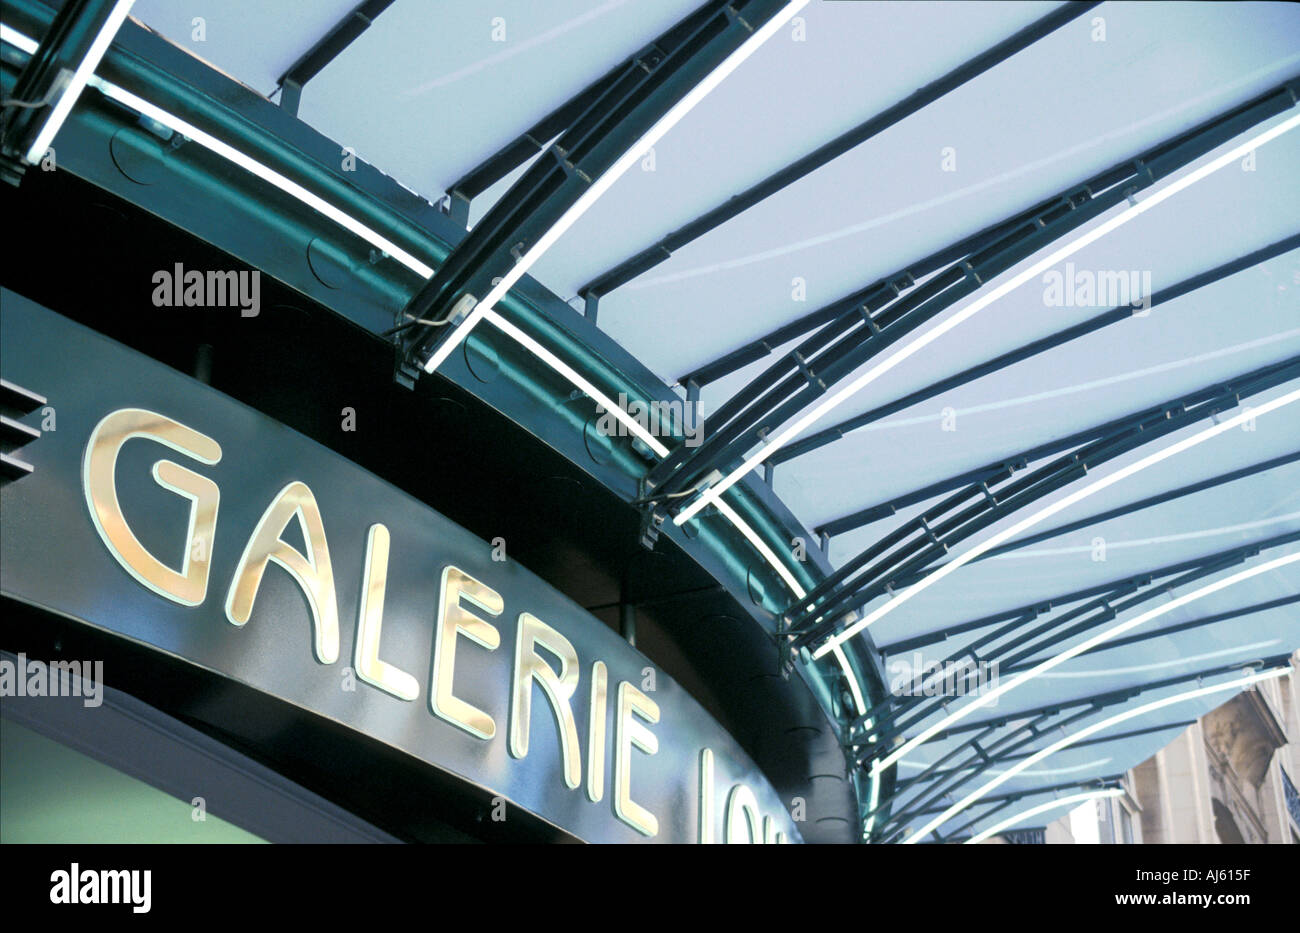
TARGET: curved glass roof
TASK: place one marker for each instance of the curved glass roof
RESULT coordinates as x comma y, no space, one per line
427,99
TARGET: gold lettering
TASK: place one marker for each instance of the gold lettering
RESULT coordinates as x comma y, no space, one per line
741,801
189,585
558,688
632,703
370,623
706,796
312,571
454,619
596,732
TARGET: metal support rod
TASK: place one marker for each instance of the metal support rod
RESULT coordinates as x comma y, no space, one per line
37,89
1032,349
850,587
538,136
1171,629
916,642
1104,698
1286,369
974,766
917,100
541,203
1114,779
326,49
1139,505
1094,615
1113,737
789,386
762,346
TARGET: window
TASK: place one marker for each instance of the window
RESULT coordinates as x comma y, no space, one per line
1105,822
1126,825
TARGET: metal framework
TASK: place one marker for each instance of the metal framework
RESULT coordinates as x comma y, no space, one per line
877,729
625,107
67,43
1033,348
310,63
537,137
1107,789
1173,629
988,494
579,142
652,256
935,782
867,322
1010,797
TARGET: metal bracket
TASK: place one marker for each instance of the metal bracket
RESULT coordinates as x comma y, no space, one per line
652,518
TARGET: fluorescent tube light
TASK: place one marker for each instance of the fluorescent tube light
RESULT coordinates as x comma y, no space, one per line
1082,734
63,106
603,183
1043,808
784,436
1057,660
1048,511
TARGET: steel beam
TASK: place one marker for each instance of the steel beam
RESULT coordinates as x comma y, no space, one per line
1032,349
859,581
1172,629
537,137
648,258
657,79
67,42
310,63
1102,699
1047,605
1050,633
847,342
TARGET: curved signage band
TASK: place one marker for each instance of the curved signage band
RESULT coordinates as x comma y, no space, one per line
273,561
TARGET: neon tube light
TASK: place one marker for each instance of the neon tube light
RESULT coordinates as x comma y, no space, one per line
568,372
1043,808
1059,659
98,46
603,183
1048,511
267,174
783,437
1069,740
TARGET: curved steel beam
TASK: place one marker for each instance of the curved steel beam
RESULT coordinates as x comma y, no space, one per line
907,552
648,258
651,92
1056,660
795,401
1071,739
1032,349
